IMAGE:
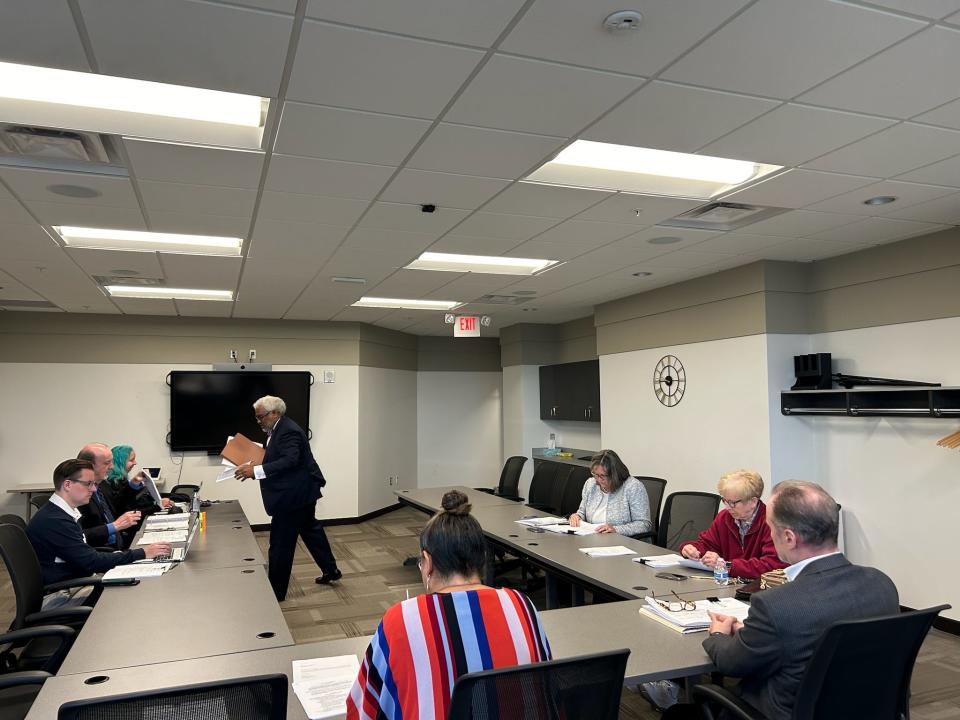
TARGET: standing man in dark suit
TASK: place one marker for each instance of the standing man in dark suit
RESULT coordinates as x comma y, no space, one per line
290,482
772,648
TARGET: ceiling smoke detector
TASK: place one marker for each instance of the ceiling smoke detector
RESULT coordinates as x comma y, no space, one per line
623,21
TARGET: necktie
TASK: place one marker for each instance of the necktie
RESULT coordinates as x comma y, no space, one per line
104,510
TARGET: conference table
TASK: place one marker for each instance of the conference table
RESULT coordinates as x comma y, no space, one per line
214,618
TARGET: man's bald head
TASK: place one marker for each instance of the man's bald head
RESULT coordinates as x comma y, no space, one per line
101,456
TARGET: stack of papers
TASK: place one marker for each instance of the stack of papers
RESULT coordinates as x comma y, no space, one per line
691,621
672,560
612,551
541,521
584,528
137,571
167,522
323,684
149,538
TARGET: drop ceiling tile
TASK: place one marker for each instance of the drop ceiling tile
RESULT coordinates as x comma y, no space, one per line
368,70
571,31
538,249
396,243
201,271
283,6
13,212
479,151
639,210
803,250
586,234
947,115
472,245
13,289
293,243
168,162
688,238
396,322
799,223
442,189
61,281
293,207
173,42
798,188
739,243
41,32
197,199
875,231
933,9
534,96
779,48
27,242
400,216
354,262
931,55
117,263
685,259
356,314
906,193
100,216
326,177
946,172
200,224
457,21
516,227
473,285
953,19
551,201
944,210
203,308
149,306
893,151
621,254
412,283
674,117
336,134
33,185
267,288
793,134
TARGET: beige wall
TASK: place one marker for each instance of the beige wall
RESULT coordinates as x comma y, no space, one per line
532,344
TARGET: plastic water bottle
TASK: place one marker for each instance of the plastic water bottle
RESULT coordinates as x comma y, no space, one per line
195,504
721,575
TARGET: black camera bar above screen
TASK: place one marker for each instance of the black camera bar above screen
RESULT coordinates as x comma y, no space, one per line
208,406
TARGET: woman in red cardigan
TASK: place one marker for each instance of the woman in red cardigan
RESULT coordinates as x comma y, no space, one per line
739,534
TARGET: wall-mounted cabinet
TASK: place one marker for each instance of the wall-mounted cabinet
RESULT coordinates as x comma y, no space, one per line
570,391
874,402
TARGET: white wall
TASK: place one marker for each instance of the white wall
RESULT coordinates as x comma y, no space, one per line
387,436
459,432
65,405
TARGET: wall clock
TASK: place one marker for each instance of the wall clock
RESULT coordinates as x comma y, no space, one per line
669,380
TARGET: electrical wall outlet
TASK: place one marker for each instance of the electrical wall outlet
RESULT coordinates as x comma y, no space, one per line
233,354
253,355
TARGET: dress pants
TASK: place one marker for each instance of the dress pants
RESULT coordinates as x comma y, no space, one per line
285,526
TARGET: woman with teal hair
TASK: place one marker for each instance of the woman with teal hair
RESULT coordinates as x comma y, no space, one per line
124,486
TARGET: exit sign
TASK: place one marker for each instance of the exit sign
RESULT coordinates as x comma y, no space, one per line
466,326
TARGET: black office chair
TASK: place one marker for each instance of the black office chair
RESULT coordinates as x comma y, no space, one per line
579,687
182,493
654,487
509,484
546,486
18,690
38,500
254,698
572,493
686,515
859,669
13,520
23,649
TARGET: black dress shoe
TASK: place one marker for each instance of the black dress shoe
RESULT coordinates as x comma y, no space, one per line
328,578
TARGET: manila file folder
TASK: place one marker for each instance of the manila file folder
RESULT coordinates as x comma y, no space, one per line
240,449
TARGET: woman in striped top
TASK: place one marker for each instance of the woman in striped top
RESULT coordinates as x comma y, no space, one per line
459,626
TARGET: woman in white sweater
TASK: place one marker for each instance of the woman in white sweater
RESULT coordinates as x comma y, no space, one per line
613,499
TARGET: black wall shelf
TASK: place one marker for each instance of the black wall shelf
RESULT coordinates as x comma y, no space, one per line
932,402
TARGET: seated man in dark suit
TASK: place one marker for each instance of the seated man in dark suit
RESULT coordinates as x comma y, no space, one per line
772,648
101,525
57,537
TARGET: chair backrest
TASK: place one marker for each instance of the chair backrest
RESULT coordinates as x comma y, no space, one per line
38,500
510,475
542,485
685,515
654,487
188,490
579,687
13,520
573,490
862,668
254,698
24,570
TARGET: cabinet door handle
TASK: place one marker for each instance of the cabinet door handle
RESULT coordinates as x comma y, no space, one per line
589,413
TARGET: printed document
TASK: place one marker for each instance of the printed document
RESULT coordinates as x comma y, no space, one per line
322,684
163,536
612,551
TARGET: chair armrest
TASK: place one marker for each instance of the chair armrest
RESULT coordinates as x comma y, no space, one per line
540,506
489,491
707,695
646,537
24,677
68,614
74,583
16,637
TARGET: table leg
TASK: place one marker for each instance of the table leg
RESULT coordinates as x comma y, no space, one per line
551,591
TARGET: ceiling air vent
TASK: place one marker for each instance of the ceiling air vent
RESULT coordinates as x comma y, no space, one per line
722,216
26,146
28,305
104,280
500,300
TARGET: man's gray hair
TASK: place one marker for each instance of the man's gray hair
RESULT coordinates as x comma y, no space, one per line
271,403
808,510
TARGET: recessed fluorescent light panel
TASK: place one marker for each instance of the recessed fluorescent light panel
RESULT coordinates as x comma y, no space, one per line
645,171
137,240
167,293
47,97
451,262
399,304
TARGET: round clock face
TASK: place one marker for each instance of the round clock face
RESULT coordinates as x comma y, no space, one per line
669,380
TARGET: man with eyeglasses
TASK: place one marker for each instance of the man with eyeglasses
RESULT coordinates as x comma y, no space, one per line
739,534
290,482
58,539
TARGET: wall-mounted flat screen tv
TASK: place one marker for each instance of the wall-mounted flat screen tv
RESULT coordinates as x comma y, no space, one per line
208,406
